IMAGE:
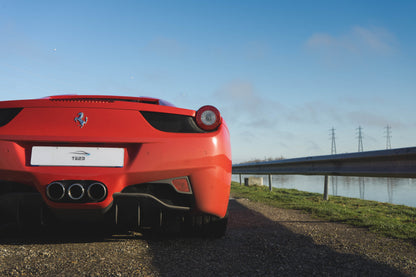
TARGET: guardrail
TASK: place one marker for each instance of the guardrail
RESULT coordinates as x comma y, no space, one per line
399,162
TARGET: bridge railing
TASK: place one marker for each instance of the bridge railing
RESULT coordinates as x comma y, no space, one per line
399,162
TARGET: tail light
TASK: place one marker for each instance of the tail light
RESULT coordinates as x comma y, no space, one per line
208,118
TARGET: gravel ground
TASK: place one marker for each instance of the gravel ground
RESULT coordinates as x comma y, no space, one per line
260,241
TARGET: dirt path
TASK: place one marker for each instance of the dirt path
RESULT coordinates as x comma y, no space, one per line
260,241
343,239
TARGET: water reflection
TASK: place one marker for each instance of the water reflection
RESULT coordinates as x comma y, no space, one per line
391,190
361,185
334,182
390,187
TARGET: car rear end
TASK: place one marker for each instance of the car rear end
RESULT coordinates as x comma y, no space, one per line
133,162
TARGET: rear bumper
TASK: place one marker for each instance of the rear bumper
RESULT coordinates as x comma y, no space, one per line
133,211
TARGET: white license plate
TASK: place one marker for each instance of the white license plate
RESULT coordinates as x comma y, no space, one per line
77,156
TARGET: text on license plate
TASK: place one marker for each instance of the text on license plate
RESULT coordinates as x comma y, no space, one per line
77,156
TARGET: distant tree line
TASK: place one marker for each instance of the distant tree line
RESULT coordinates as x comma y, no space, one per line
264,160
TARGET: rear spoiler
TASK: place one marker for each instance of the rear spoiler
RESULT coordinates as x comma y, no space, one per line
107,99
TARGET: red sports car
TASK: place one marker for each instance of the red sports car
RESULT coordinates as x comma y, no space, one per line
132,162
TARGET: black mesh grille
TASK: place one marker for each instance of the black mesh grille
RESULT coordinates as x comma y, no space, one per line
7,115
83,100
105,100
173,123
164,192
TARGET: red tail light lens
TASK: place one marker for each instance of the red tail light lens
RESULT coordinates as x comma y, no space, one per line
208,118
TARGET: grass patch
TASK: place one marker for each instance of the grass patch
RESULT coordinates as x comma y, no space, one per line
396,221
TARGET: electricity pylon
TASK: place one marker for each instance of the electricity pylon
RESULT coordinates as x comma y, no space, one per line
388,136
361,182
360,139
333,144
334,179
390,183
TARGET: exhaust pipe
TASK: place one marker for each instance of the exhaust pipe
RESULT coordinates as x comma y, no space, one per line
76,191
97,192
55,191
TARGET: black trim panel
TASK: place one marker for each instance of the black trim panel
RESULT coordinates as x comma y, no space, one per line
7,115
172,123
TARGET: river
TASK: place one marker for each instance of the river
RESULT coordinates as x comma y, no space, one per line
392,190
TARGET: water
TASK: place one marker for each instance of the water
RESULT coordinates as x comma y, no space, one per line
392,190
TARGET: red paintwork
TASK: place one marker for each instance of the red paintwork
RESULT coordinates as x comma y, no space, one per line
150,155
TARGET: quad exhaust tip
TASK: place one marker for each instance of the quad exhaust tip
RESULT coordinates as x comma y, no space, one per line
55,191
97,192
76,191
58,191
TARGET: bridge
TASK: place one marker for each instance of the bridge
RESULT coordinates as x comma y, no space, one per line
400,162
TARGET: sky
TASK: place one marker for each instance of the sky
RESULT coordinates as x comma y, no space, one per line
282,73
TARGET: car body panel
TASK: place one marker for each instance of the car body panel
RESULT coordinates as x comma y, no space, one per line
115,122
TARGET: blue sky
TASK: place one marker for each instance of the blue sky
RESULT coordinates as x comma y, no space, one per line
283,73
